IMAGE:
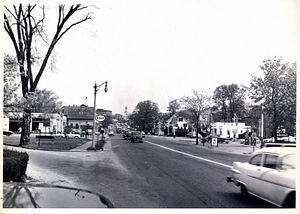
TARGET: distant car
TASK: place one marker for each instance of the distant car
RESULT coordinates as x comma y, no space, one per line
111,133
7,133
72,135
136,136
25,195
127,135
76,131
270,174
89,132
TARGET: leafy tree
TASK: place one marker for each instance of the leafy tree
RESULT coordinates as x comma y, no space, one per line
45,101
276,89
24,25
119,118
144,115
220,98
10,88
236,97
229,101
173,107
200,102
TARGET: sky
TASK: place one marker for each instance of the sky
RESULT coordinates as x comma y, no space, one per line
161,50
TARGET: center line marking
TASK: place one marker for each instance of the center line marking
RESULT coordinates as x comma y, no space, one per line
193,156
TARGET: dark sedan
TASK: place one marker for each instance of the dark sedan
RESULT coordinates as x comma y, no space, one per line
136,136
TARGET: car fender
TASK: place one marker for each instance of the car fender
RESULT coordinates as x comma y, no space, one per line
285,197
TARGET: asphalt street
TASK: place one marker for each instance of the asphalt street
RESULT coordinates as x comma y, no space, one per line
162,172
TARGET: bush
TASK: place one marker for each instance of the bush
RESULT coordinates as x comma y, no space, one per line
14,165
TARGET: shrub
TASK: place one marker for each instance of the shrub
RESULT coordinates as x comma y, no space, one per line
14,165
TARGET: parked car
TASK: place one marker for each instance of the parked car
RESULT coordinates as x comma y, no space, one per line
7,133
111,133
26,195
127,135
136,136
76,131
72,135
270,174
89,132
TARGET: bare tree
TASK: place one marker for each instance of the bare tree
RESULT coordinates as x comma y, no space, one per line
23,26
200,102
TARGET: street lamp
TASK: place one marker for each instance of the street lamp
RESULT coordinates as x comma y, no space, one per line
96,88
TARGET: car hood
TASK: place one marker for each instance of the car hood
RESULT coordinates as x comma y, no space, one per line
22,195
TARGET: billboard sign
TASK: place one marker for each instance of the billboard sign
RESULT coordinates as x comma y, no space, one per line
100,118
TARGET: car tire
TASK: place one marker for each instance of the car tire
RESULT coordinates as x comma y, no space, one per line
290,201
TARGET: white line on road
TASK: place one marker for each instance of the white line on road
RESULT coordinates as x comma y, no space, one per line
193,156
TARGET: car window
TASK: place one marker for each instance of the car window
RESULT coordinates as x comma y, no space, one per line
255,160
288,162
270,161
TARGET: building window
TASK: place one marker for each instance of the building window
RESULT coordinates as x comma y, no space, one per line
180,119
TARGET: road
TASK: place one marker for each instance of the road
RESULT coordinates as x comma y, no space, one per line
159,173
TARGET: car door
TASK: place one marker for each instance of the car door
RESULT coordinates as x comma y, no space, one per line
266,177
253,172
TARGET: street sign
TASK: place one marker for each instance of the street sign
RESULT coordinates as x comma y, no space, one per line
214,141
100,118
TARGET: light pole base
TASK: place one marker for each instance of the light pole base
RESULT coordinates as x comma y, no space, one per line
91,148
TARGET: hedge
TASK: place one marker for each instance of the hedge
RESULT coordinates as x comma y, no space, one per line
14,165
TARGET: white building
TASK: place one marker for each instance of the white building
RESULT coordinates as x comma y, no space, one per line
48,123
231,130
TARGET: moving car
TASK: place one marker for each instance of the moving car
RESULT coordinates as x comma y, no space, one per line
136,136
26,195
127,135
270,174
111,133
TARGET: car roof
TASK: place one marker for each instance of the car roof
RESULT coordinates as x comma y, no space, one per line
277,150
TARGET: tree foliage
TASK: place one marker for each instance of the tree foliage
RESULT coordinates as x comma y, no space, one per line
173,107
24,25
229,101
43,101
11,86
144,115
200,102
276,89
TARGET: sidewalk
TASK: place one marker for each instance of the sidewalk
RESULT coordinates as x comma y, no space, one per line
232,147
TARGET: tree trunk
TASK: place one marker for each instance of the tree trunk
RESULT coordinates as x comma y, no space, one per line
197,125
275,125
25,135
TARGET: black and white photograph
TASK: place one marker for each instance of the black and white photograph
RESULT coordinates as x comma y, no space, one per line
139,105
